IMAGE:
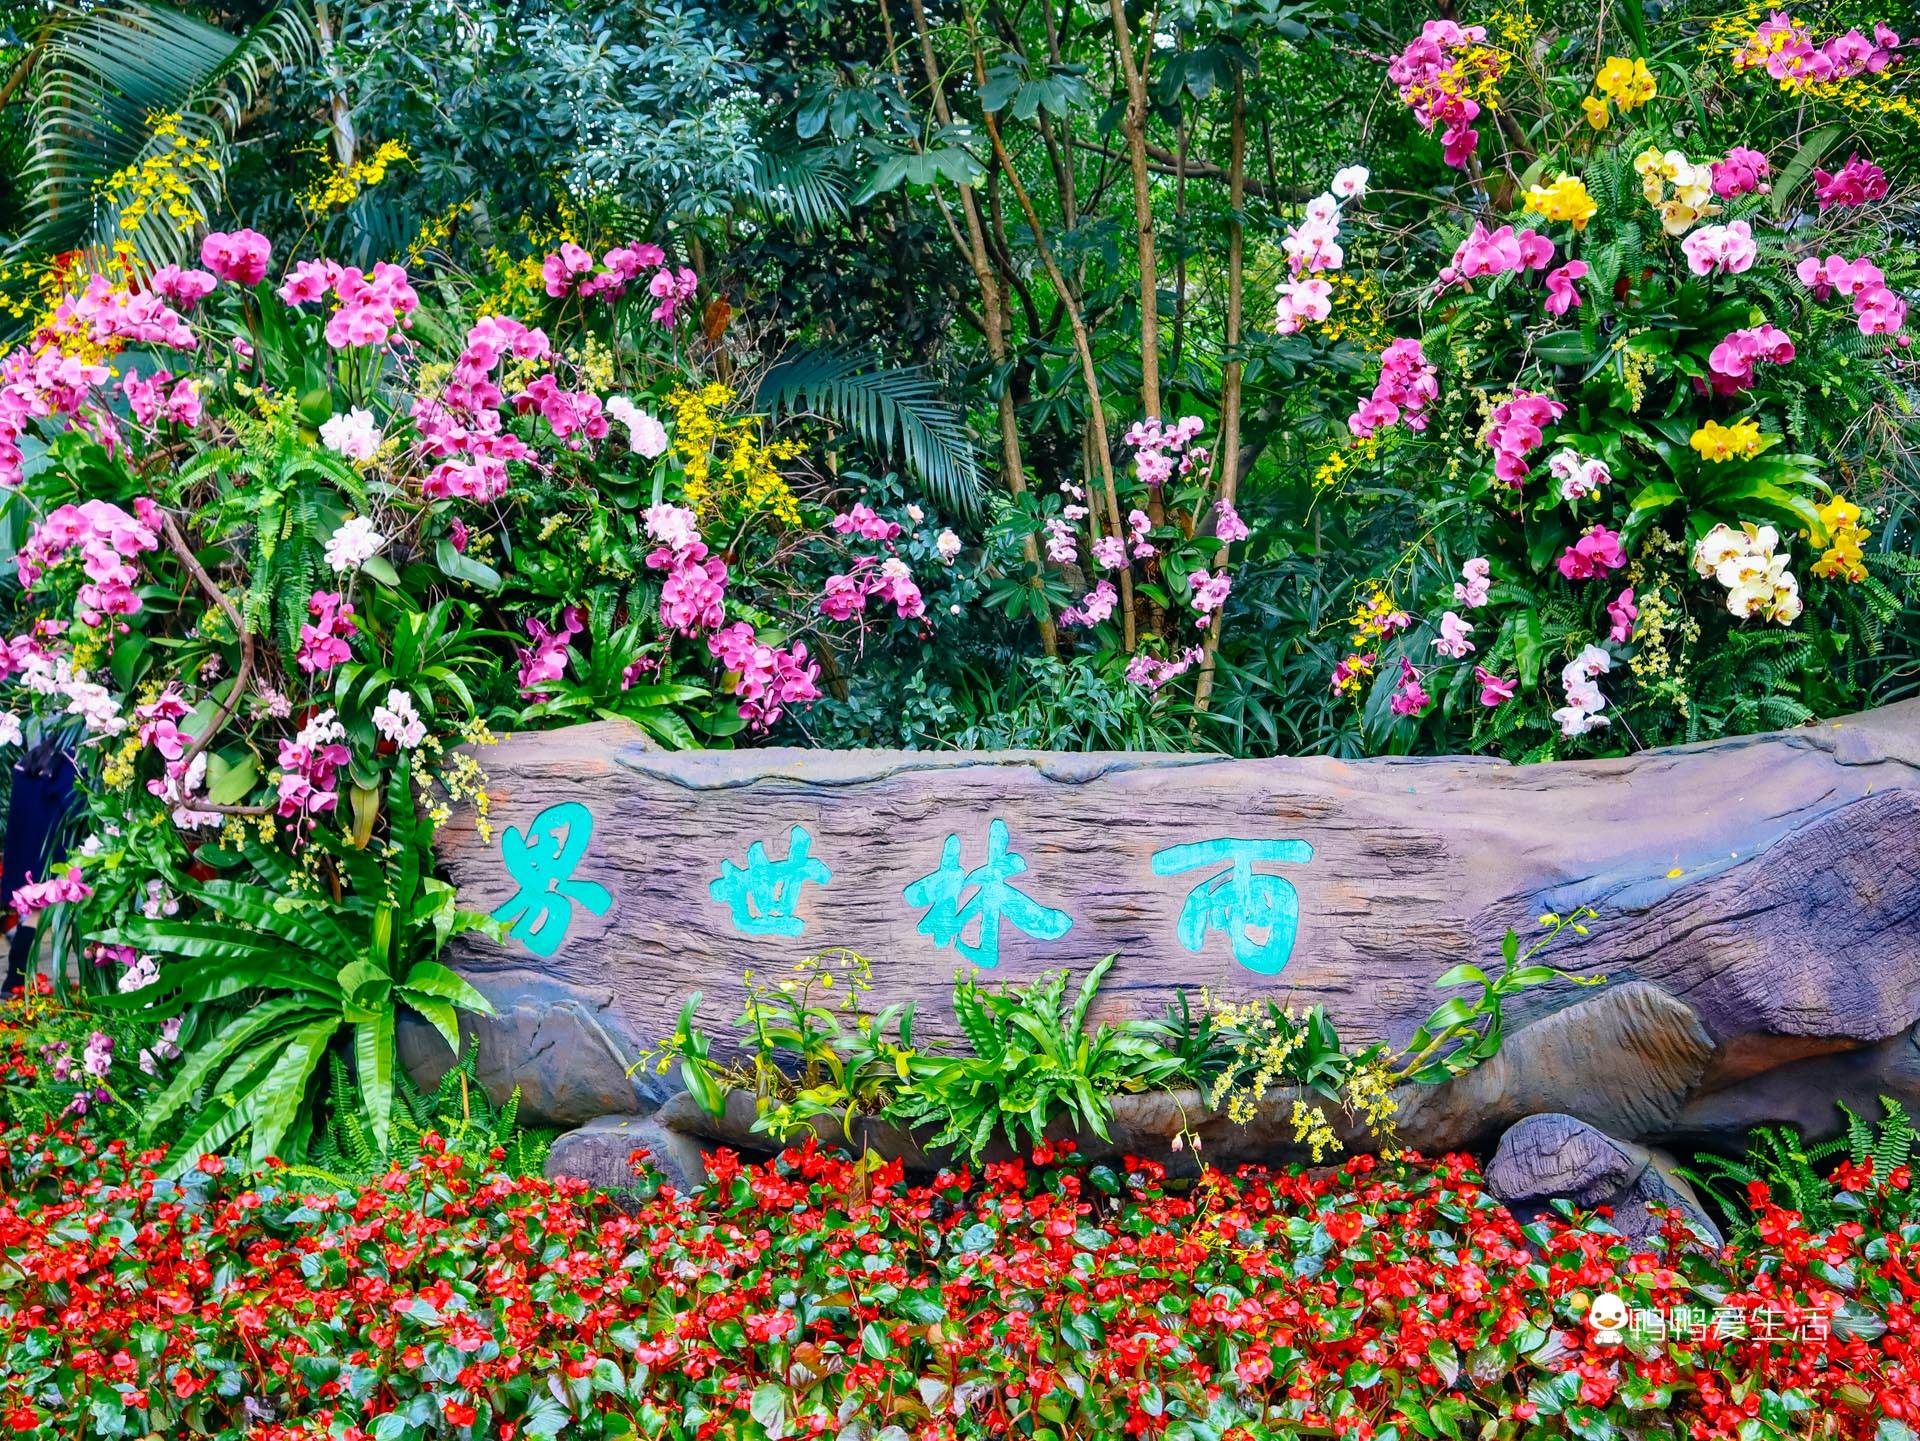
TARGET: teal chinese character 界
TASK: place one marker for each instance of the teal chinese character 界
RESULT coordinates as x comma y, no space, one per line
1260,913
542,863
762,894
993,901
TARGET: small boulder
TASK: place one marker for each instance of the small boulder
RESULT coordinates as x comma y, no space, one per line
1549,1157
600,1153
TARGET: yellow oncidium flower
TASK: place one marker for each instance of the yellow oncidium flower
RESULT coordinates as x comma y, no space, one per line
730,471
342,183
1845,539
1627,83
1719,443
1565,199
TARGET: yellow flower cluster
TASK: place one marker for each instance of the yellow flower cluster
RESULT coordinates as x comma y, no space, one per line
1636,366
1376,616
1266,1041
116,772
33,291
1736,33
435,234
233,831
1478,73
1566,199
730,471
161,183
1662,621
1515,25
517,283
1692,196
1368,1094
1753,49
342,183
1359,312
1339,462
1312,1130
595,362
1845,539
1627,83
1737,36
1719,443
464,778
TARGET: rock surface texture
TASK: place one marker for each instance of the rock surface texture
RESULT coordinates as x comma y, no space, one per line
1757,904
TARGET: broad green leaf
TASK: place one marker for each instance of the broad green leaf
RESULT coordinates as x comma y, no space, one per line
431,978
373,1061
276,1099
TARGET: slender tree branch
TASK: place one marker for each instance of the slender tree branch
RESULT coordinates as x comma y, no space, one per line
993,309
1102,447
1231,384
242,678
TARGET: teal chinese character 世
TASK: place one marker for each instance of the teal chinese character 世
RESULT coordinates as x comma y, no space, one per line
1259,912
542,863
762,894
993,900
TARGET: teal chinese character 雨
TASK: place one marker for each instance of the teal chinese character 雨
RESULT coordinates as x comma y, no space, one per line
1260,913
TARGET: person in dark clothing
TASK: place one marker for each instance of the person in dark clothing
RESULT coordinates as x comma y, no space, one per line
43,797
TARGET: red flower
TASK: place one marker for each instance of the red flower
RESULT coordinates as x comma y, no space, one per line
1343,1226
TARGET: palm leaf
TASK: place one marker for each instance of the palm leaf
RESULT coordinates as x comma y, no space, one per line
898,411
807,186
105,75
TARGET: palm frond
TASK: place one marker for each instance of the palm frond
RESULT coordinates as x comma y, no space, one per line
807,186
898,411
107,77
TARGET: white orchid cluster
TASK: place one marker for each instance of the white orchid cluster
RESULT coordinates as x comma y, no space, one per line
1580,676
1748,562
1579,475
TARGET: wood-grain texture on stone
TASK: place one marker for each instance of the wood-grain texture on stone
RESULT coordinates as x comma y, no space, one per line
1760,894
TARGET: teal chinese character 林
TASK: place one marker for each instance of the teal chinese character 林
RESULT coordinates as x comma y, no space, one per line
1260,913
993,900
542,863
762,894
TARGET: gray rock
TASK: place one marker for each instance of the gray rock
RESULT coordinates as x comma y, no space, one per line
562,1046
600,1153
1805,1094
1623,1058
1550,1158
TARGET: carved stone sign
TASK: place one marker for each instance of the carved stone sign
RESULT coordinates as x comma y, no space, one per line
1771,883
